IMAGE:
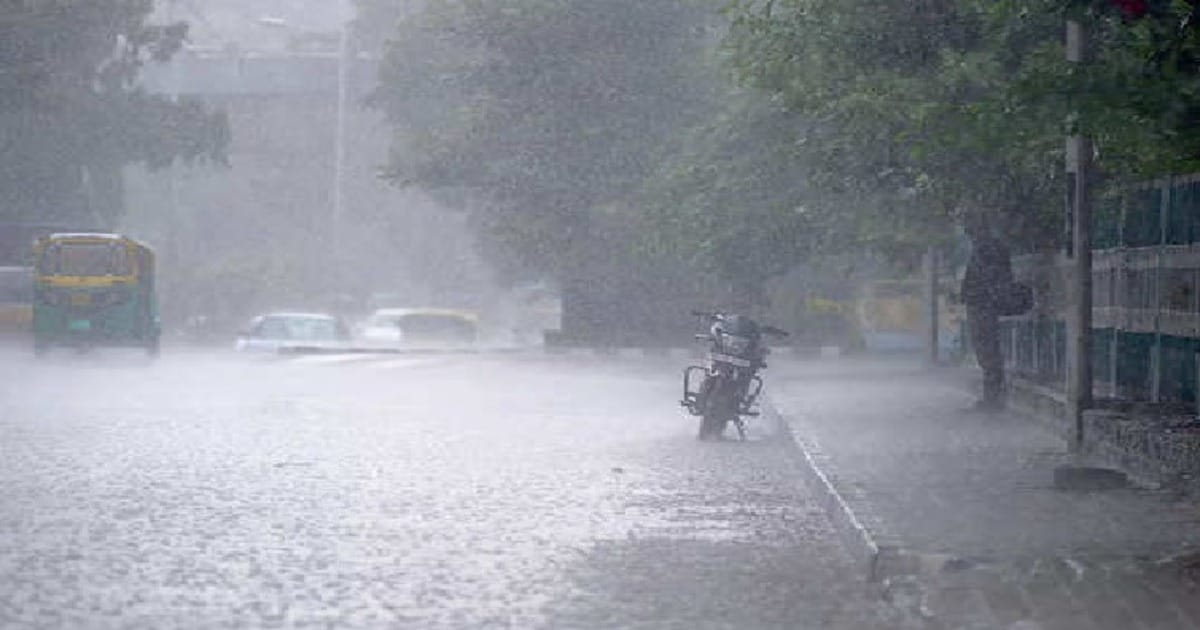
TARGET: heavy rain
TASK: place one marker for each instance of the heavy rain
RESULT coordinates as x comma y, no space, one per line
600,314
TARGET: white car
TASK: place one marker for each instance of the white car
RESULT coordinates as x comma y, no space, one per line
287,331
420,328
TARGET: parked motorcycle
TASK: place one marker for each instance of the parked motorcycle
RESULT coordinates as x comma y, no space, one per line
728,387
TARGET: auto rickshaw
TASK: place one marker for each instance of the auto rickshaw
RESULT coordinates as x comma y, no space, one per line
94,289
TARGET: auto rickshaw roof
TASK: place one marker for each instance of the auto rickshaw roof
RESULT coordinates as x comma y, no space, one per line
89,235
93,236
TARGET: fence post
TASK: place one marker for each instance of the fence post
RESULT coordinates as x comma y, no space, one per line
1156,369
931,303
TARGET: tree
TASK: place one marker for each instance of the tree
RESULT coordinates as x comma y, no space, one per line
910,109
542,118
537,111
907,98
71,114
732,201
1139,95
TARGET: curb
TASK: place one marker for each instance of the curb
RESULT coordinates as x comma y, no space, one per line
299,351
855,537
879,561
624,352
620,352
697,351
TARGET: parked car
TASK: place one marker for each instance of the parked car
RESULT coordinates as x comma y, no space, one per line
287,331
420,327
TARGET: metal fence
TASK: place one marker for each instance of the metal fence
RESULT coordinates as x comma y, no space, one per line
1035,349
1146,299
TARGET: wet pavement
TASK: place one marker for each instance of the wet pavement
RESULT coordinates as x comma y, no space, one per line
960,512
212,491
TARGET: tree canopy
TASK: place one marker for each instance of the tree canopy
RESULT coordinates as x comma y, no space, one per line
1140,95
908,105
851,124
539,112
72,115
963,105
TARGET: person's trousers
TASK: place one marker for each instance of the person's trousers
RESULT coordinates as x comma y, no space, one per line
984,325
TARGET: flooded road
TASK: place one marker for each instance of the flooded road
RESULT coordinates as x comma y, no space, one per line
210,490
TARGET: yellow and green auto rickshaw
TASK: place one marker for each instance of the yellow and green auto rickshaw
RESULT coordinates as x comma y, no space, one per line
93,289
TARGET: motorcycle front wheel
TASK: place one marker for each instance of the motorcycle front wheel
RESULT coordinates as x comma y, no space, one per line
715,409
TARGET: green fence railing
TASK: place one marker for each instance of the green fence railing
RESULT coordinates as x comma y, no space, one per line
1146,347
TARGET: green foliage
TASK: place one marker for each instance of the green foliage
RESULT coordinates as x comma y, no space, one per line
734,200
71,113
1135,94
966,102
913,109
867,126
536,113
1140,95
871,125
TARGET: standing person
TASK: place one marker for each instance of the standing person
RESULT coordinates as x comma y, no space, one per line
988,278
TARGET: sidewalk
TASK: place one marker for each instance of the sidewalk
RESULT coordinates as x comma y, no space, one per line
956,512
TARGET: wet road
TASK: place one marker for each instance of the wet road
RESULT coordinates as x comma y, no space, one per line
207,491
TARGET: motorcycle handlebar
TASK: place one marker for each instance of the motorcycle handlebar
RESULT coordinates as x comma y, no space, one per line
770,330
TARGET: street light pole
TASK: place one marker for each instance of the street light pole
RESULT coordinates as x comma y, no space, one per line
176,86
339,148
334,226
1079,320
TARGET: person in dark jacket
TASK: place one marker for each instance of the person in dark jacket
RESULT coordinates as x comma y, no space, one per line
988,277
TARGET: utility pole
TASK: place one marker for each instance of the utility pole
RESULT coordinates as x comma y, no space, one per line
1079,317
172,246
339,145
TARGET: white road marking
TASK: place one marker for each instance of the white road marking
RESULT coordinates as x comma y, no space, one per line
325,359
402,363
